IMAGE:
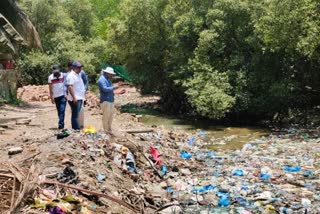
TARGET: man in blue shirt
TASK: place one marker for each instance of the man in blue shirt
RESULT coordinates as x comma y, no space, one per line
107,92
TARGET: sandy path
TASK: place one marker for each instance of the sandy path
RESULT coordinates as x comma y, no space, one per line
43,124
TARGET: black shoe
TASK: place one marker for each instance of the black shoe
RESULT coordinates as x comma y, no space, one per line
63,134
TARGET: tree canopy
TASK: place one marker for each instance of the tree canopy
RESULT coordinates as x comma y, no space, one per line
210,58
223,56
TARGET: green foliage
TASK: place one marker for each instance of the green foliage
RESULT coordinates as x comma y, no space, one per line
66,29
214,58
35,67
233,56
48,17
140,42
208,90
105,11
81,11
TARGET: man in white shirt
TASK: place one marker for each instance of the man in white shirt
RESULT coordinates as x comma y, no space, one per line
58,93
84,78
76,93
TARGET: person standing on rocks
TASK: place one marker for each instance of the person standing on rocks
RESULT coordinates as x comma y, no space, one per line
107,92
58,93
76,93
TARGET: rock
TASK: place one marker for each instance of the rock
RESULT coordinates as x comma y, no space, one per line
185,171
23,122
139,118
171,208
2,130
173,174
197,198
289,177
163,184
15,150
67,161
155,191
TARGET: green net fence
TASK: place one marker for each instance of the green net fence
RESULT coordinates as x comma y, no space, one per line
120,70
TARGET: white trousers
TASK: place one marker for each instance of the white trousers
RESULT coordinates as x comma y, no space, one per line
107,115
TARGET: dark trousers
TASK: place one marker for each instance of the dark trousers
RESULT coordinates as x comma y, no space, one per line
61,103
75,109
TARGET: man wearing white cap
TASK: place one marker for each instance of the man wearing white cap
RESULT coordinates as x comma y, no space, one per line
107,92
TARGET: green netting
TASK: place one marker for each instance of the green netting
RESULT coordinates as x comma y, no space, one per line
120,70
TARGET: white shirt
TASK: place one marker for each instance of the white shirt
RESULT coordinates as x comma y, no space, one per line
75,80
57,85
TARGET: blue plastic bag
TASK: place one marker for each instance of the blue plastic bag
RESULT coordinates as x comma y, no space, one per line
244,188
222,194
223,202
191,140
164,169
203,189
202,134
185,155
169,189
292,168
238,172
100,177
211,154
307,173
264,176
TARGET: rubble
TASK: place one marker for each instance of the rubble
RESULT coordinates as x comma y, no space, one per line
40,93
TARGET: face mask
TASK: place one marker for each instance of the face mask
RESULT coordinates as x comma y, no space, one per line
56,75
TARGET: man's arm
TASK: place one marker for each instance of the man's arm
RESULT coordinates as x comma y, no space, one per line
65,86
70,82
103,86
85,80
51,93
71,91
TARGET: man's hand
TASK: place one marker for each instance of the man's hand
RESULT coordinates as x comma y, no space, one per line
52,99
74,100
120,91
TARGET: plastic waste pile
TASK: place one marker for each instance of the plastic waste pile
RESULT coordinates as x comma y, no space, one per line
275,174
278,174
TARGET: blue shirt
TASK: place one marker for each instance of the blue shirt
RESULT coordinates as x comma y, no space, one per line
84,79
106,89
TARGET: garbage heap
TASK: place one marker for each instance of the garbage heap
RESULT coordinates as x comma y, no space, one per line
172,172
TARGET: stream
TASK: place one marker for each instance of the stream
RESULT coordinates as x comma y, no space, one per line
219,137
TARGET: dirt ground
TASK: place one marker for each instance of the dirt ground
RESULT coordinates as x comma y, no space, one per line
33,126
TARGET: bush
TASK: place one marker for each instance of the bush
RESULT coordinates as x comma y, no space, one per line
35,67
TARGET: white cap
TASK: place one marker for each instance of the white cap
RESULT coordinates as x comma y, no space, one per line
109,70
